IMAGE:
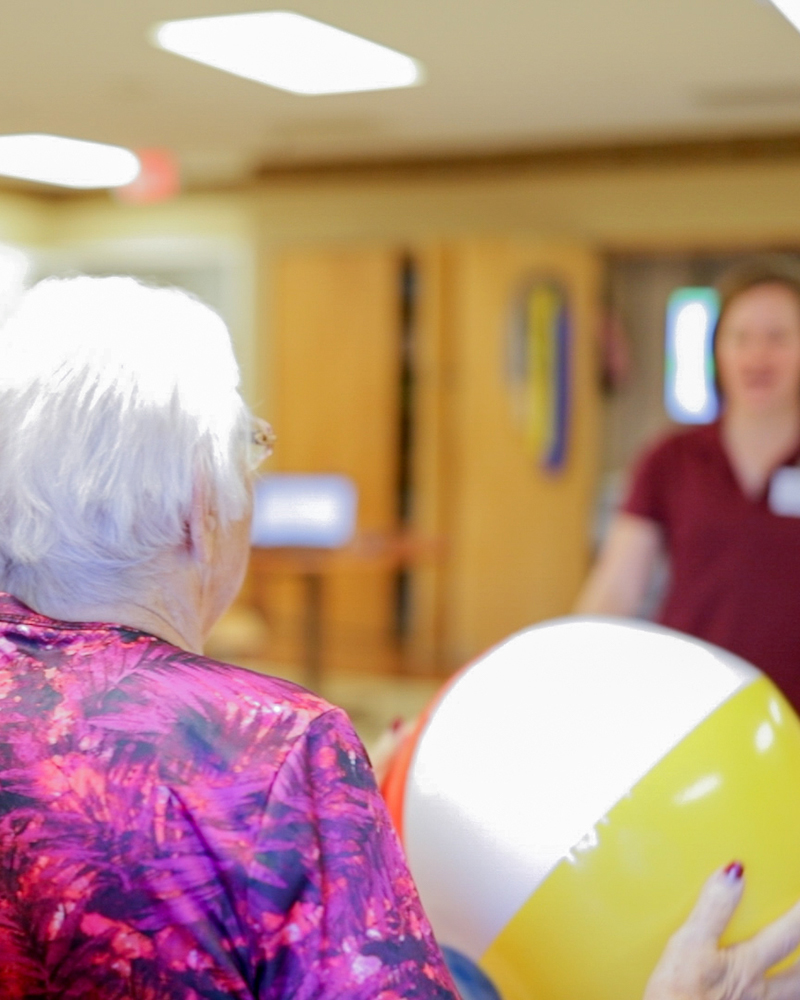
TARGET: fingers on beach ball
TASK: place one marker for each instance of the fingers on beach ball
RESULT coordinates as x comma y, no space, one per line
565,797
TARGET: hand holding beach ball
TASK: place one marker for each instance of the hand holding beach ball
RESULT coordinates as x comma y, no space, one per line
695,967
566,795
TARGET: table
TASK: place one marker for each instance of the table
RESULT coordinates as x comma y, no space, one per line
368,551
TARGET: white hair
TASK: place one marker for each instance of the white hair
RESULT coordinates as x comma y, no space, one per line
114,398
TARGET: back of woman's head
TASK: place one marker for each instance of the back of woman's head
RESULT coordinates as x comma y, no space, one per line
116,399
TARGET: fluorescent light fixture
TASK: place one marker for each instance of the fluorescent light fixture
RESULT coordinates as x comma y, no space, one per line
288,51
74,163
790,10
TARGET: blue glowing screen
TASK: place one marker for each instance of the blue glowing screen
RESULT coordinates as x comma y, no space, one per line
298,509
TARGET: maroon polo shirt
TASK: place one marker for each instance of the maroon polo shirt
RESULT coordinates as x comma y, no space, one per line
734,565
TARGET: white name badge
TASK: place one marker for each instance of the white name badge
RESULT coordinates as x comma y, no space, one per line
784,492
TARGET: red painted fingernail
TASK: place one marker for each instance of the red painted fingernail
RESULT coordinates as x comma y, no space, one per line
735,870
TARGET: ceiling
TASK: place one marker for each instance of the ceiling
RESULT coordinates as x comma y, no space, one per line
502,75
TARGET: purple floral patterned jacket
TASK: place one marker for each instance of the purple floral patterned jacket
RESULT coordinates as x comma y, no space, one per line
173,827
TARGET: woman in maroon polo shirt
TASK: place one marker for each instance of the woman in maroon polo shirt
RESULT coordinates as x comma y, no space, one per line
723,500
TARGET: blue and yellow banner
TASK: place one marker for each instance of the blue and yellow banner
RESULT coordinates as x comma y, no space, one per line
540,370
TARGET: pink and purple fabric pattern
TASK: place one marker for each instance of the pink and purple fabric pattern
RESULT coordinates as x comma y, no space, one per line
173,827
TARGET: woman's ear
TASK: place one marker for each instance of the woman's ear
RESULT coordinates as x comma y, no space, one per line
202,525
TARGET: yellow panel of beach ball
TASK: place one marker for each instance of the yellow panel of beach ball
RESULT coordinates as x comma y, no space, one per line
572,790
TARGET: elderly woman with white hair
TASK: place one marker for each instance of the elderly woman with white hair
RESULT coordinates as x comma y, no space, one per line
170,826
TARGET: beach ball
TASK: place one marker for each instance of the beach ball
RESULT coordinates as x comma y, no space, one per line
565,797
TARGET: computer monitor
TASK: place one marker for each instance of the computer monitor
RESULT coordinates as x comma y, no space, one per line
305,510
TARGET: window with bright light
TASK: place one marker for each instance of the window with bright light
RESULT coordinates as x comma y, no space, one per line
288,51
690,394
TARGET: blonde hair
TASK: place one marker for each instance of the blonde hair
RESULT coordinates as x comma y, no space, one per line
114,398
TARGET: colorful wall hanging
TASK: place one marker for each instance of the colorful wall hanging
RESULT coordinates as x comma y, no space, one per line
539,370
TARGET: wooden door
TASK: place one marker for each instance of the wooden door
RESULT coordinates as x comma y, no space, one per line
519,535
335,384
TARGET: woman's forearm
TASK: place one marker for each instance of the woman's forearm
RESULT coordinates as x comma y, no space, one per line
619,580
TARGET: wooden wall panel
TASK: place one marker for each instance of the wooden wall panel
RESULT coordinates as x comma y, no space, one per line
335,385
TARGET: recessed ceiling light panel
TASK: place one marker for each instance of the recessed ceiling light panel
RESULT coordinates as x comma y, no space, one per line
74,163
790,10
289,51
